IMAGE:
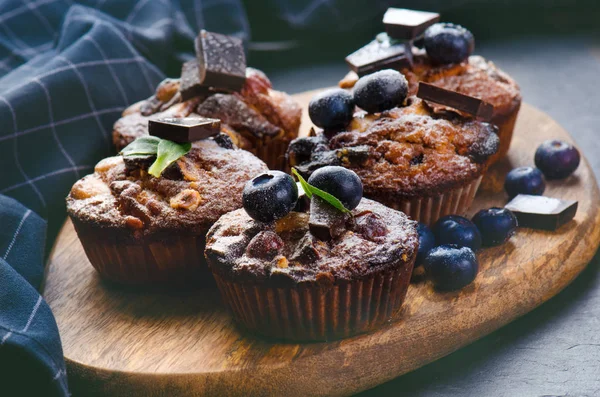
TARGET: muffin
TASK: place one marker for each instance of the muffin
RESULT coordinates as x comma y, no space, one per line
409,158
138,229
258,118
285,280
475,76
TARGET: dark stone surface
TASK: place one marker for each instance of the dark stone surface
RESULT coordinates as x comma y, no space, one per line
554,350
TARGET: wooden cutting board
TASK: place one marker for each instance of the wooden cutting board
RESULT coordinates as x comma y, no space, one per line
123,342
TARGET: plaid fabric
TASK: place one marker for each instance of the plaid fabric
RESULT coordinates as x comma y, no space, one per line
67,71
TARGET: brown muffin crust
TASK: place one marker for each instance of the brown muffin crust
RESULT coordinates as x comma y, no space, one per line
188,198
405,152
377,238
256,112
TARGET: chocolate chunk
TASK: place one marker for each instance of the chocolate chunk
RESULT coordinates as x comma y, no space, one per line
326,222
306,250
190,85
355,156
380,55
137,162
237,114
404,24
539,212
301,149
318,160
221,61
464,103
182,130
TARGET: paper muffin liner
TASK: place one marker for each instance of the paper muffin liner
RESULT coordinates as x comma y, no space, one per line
272,152
309,312
429,209
506,127
176,259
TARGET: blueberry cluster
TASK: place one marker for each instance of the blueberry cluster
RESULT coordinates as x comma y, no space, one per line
377,92
554,159
447,253
273,194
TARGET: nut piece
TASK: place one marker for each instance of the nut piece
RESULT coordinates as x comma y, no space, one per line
188,199
167,89
282,262
133,223
88,187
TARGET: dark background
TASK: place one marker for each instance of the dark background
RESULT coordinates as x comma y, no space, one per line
552,48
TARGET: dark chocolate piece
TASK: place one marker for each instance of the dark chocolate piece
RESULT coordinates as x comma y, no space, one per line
404,24
306,250
539,212
191,85
379,55
221,61
184,130
326,222
465,103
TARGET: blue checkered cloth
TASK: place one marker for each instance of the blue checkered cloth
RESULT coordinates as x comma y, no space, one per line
67,71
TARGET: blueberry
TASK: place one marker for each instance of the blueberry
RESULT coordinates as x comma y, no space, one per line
426,242
457,230
448,43
331,109
524,180
451,267
380,91
496,225
340,182
270,196
557,159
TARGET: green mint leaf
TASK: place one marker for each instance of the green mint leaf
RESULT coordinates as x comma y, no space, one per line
331,199
146,145
310,190
305,186
168,152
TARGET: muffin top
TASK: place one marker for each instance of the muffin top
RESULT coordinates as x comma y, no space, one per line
189,196
406,152
285,252
256,111
476,77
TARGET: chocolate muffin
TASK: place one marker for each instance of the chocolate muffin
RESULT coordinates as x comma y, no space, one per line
410,158
258,118
286,280
475,77
136,228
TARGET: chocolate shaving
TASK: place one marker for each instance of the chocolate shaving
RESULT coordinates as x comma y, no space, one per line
461,102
